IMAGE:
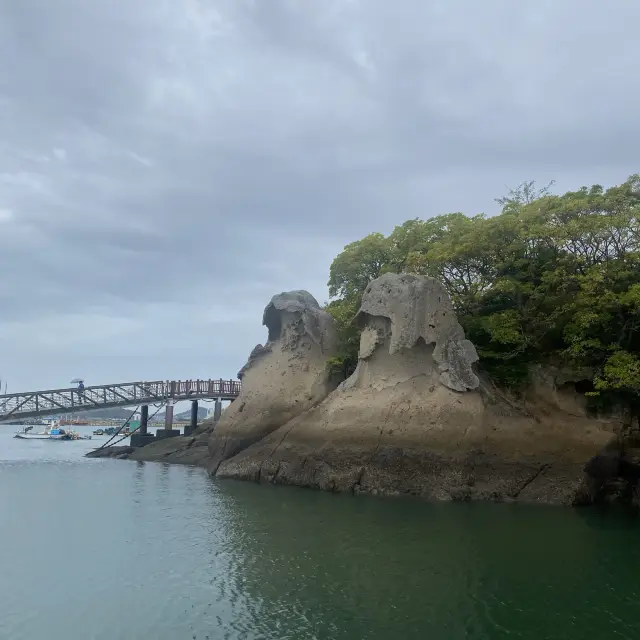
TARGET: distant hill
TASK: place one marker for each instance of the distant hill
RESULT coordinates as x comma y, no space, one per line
124,414
97,414
185,415
102,414
106,414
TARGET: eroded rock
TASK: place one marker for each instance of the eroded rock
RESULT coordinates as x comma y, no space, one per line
281,379
412,419
417,308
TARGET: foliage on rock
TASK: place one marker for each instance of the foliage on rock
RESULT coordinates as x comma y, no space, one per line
552,278
343,312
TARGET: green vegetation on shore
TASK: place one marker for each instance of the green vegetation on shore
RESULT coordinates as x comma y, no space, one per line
550,280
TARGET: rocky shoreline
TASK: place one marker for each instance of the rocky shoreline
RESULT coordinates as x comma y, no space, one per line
189,450
416,417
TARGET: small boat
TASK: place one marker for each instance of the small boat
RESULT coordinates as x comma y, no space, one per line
26,434
98,432
76,436
51,432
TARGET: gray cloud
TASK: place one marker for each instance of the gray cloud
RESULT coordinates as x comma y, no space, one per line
166,166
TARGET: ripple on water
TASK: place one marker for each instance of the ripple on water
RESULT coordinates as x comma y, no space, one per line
107,549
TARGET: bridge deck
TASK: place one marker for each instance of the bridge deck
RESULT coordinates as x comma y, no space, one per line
31,404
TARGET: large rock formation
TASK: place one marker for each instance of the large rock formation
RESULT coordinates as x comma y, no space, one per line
413,418
403,312
281,379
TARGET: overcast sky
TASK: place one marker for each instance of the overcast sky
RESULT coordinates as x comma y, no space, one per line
166,166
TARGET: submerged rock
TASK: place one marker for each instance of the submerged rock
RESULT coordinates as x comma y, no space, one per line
121,453
414,418
281,379
190,450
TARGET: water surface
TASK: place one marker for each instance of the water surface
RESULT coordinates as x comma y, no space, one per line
109,549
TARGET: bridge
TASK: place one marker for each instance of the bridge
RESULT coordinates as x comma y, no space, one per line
33,404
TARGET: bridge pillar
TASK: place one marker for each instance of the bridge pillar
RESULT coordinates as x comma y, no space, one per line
193,424
217,410
142,437
168,432
144,419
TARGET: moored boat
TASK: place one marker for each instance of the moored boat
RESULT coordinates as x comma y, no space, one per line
51,432
43,436
76,436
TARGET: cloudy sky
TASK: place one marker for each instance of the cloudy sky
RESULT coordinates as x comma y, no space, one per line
168,165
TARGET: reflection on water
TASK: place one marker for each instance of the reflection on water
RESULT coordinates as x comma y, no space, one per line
109,549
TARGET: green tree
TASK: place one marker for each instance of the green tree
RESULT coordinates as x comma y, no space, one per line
525,193
343,312
620,378
358,264
551,278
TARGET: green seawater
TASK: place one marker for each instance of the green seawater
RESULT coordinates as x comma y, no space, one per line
108,550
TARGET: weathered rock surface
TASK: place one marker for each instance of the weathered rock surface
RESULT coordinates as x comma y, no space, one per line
111,452
414,418
281,379
189,450
405,309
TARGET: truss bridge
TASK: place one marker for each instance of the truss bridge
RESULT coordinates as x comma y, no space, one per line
33,404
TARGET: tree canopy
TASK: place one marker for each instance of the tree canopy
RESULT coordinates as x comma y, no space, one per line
550,279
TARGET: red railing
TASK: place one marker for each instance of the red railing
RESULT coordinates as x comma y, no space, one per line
222,388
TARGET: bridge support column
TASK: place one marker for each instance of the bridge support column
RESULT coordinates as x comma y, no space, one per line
144,419
142,437
168,432
193,424
217,410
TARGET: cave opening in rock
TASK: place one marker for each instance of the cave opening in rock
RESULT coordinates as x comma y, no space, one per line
584,386
576,386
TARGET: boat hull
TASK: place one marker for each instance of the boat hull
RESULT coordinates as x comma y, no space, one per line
40,436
